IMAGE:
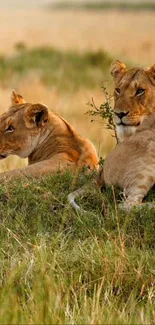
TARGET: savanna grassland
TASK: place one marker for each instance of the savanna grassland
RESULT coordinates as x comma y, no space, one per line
58,267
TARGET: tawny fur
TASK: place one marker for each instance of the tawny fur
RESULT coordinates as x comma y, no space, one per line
129,99
131,165
49,142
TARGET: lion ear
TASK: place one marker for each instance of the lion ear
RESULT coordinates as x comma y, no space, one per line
117,69
16,98
36,115
151,73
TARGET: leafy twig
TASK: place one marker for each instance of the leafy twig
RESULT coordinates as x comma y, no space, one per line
104,111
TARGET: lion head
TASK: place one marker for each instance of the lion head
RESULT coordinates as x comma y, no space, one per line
21,126
134,97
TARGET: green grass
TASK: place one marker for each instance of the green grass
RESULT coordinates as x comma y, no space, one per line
102,5
65,70
58,267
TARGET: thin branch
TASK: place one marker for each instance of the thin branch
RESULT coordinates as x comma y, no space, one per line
104,111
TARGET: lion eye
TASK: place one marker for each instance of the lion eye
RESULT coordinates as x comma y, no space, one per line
140,91
10,129
117,91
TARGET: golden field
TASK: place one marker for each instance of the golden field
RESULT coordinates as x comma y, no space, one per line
127,36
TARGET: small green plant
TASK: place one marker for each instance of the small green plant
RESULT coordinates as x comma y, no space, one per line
105,111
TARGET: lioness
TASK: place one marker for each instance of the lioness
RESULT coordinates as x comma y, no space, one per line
134,100
131,165
134,97
49,142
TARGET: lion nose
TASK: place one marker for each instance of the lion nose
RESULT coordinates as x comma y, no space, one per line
121,114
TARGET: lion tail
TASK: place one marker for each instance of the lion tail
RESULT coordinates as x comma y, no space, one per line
82,191
73,195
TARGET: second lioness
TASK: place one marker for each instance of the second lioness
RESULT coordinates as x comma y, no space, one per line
134,97
49,142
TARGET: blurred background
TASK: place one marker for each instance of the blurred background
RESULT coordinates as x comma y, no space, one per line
59,53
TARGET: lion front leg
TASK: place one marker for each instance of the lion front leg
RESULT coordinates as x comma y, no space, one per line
39,169
136,193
